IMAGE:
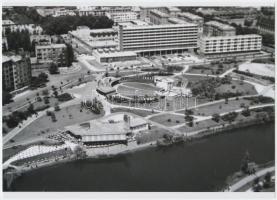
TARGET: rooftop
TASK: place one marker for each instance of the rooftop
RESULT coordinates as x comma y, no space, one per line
159,13
173,9
190,15
116,54
175,20
95,127
220,25
51,46
161,26
14,58
231,37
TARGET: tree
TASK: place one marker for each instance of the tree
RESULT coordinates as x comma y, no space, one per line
246,112
57,107
53,69
248,22
69,55
45,92
6,97
216,117
43,77
226,100
267,180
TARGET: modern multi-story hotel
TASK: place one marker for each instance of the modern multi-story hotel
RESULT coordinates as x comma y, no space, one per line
223,46
16,72
158,39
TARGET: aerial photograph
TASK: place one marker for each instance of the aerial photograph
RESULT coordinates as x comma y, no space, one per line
138,99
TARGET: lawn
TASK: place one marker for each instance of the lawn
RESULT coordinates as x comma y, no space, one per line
153,134
235,86
169,119
142,113
209,69
66,116
141,86
221,107
198,126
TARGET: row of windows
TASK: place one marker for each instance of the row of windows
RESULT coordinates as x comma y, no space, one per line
131,40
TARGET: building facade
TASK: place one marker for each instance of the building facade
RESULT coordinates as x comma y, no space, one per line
16,72
230,45
122,16
51,53
158,39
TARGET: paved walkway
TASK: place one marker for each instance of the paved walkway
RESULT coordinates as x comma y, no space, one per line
248,179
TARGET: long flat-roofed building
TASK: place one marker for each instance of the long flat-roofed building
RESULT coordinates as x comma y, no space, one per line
158,39
215,28
223,46
114,56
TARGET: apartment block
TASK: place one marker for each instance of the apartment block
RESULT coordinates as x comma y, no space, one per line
230,45
51,53
16,72
189,17
215,28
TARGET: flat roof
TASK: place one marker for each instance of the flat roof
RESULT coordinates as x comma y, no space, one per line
220,25
176,20
173,9
51,46
159,13
103,30
14,58
160,26
95,128
231,37
117,54
189,15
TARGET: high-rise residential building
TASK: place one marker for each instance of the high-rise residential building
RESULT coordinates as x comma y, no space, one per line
51,53
158,39
222,46
16,72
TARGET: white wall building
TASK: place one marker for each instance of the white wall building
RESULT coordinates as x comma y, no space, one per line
158,39
122,16
51,53
230,45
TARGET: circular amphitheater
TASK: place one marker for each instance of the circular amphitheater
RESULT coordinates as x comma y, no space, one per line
131,89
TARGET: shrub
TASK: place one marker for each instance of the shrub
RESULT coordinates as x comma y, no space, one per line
64,97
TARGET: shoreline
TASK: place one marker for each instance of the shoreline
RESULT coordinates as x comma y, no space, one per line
133,147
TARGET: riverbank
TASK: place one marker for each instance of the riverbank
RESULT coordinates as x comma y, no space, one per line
112,151
240,182
200,165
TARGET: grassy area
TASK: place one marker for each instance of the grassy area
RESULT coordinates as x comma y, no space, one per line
151,135
192,79
221,107
210,69
65,117
168,119
198,126
235,86
142,113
